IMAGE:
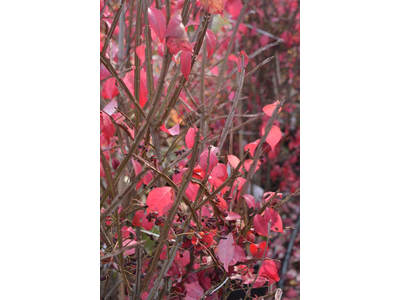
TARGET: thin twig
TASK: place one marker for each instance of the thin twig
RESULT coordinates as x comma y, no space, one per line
285,264
167,225
257,154
113,289
229,120
262,260
122,84
220,286
112,28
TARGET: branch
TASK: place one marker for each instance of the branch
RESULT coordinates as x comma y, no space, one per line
285,264
121,251
229,120
286,199
167,225
220,286
257,154
228,50
259,268
122,84
112,28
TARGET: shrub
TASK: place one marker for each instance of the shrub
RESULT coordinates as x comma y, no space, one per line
199,149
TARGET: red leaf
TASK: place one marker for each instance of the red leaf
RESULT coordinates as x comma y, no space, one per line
107,127
240,255
233,161
252,147
129,242
109,109
248,162
273,137
194,291
163,254
186,63
175,27
234,7
208,160
257,250
213,6
232,216
269,109
267,216
172,131
160,199
146,224
251,203
184,259
211,42
233,58
110,90
157,22
140,51
260,281
190,137
226,251
216,182
115,163
276,223
143,88
129,81
137,218
269,270
222,203
239,182
177,177
229,253
178,44
176,35
104,73
191,191
126,231
269,195
207,241
191,22
220,171
147,177
260,225
137,168
254,249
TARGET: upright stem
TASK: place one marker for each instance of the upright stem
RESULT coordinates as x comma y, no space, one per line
257,154
149,51
129,29
166,228
229,120
285,264
121,39
228,50
137,59
203,123
182,81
